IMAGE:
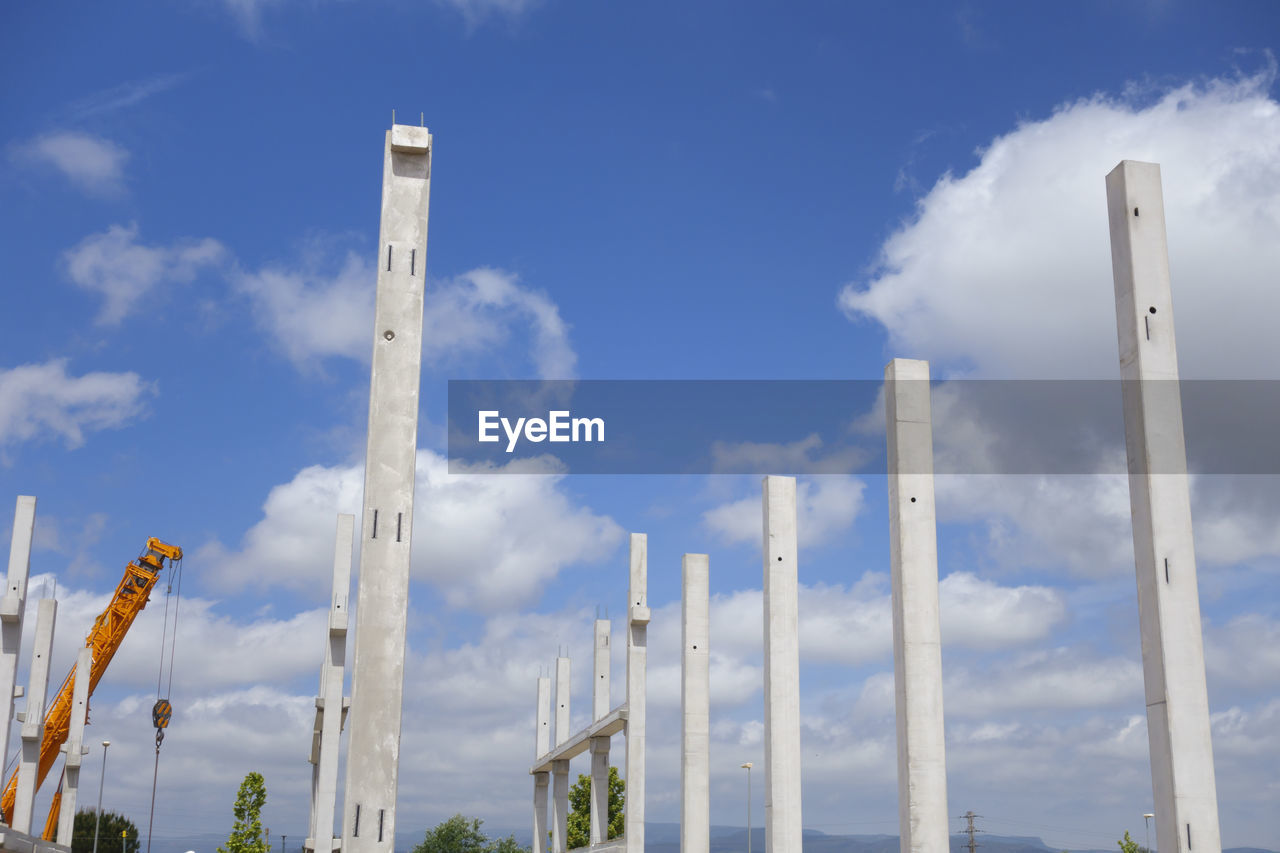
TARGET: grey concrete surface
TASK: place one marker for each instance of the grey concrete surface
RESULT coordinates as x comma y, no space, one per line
33,715
637,663
12,608
695,705
74,747
782,817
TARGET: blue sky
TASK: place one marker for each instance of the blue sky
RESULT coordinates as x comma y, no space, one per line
684,191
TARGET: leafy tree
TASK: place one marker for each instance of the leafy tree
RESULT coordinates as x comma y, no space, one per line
461,834
1128,845
109,840
246,833
580,809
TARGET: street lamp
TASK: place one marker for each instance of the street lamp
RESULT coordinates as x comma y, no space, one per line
747,767
1146,818
98,820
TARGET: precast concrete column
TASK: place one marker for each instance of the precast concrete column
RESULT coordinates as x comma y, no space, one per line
377,682
695,706
33,717
1182,775
917,641
560,769
600,745
637,661
12,607
542,727
74,747
782,826
331,704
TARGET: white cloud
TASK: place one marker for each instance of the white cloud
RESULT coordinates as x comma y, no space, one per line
41,400
486,541
1005,270
312,314
1245,651
476,12
825,507
93,164
124,271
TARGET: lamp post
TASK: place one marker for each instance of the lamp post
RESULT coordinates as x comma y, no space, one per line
1146,818
747,767
98,820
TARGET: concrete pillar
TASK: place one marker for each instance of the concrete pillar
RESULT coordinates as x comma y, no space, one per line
33,717
600,745
637,661
331,704
560,769
542,733
74,747
12,608
377,682
782,827
1182,777
917,642
695,707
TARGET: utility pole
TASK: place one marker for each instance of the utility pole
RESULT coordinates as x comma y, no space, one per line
969,816
283,849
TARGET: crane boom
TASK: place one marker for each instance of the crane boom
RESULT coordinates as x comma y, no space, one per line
104,638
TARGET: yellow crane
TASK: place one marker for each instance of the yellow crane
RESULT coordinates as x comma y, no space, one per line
104,638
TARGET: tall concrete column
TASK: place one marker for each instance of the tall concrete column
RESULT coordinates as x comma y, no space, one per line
917,642
695,706
74,747
33,717
542,728
12,608
377,682
330,704
782,826
599,814
637,661
1182,776
560,769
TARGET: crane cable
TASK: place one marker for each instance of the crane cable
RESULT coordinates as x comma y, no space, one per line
163,710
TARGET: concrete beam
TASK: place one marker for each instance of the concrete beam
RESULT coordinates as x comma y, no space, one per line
33,716
923,820
579,742
637,661
695,706
1182,775
74,747
377,682
12,607
542,738
782,819
331,704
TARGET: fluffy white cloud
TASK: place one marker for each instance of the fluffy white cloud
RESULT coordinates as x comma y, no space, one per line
486,541
41,400
124,271
825,507
314,314
1005,270
93,164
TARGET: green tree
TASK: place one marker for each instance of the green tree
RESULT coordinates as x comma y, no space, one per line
461,834
108,833
580,809
246,833
1128,845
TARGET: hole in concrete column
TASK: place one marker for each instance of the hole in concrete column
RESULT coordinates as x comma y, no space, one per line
1152,309
1135,211
913,500
695,645
388,258
779,559
389,335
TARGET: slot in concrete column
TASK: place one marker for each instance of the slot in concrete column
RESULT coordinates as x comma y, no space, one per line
1182,775
695,706
542,733
599,814
560,769
377,678
782,826
12,608
637,661
917,641
331,705
74,747
33,717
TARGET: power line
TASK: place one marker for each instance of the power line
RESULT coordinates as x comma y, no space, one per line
969,816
